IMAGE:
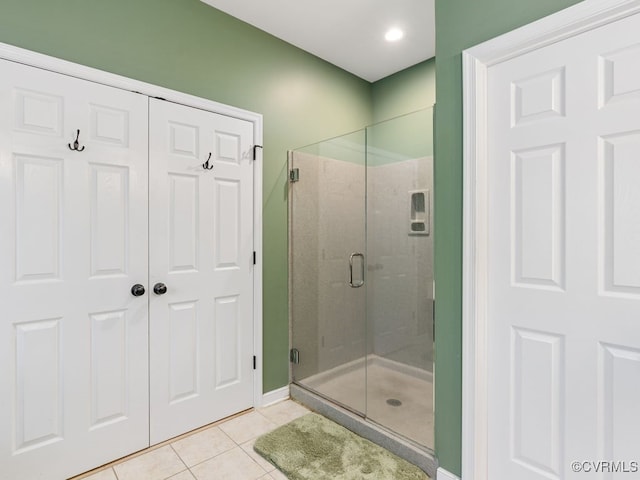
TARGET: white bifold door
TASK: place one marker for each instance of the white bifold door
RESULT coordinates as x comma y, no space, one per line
73,240
112,339
564,259
201,230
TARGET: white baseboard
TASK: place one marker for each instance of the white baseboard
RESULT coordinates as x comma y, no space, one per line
442,474
275,396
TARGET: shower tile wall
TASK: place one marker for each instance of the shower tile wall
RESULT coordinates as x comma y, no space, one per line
400,265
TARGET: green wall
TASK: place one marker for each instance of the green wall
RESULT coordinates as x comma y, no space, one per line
460,24
404,92
397,95
188,46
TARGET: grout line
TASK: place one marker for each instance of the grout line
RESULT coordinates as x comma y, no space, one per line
178,473
264,472
179,457
210,458
238,446
225,434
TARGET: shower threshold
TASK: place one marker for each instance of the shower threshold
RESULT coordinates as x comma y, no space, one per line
413,453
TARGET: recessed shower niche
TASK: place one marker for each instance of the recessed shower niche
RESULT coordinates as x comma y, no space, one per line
419,218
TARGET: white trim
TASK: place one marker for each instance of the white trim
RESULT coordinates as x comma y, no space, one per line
27,57
582,17
474,345
442,474
275,396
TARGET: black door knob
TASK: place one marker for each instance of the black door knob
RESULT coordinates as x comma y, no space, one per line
159,289
137,290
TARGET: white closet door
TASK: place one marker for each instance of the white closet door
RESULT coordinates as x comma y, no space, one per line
73,240
564,258
201,248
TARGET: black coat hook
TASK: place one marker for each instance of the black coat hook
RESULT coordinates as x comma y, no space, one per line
206,165
76,144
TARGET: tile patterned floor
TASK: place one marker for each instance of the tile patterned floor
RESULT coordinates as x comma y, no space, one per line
220,452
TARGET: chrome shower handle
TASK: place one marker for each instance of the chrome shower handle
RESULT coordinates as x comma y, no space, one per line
361,282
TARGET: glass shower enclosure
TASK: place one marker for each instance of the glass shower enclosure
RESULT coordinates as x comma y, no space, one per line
361,273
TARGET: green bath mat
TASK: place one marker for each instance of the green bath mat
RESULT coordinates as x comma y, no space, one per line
315,448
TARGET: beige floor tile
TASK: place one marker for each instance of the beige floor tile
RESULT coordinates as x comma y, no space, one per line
277,475
108,474
283,412
232,465
202,446
246,427
156,465
259,459
186,475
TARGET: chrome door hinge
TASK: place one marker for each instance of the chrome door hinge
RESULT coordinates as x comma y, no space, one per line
294,356
294,175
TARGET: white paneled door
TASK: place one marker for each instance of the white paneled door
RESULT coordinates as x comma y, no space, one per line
201,250
564,258
73,241
126,271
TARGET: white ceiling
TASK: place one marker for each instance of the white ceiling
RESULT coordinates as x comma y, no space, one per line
346,33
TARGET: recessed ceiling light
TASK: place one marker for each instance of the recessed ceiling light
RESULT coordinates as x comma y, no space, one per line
393,35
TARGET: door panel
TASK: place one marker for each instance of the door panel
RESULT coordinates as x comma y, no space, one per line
563,277
39,190
39,414
201,229
73,242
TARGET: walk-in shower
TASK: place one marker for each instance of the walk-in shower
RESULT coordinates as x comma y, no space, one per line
361,274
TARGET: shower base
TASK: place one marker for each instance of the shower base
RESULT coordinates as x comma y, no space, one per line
399,405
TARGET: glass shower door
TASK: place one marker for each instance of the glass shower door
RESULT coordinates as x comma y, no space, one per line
400,275
327,268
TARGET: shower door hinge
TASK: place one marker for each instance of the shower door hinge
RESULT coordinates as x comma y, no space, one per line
255,362
294,175
254,150
294,356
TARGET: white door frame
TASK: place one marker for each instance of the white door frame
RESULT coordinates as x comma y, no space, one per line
27,57
477,60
